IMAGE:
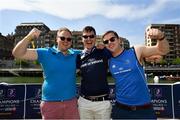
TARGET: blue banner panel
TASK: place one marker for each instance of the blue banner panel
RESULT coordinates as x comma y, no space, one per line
176,90
33,100
12,101
162,100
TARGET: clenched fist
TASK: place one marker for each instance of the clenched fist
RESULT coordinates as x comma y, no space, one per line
153,33
34,33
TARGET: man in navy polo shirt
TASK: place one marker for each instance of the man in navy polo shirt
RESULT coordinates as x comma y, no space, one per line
94,100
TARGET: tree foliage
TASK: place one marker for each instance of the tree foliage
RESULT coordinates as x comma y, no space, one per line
176,61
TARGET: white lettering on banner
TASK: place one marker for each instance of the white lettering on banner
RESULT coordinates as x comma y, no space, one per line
35,101
91,63
159,101
10,109
9,101
159,108
122,71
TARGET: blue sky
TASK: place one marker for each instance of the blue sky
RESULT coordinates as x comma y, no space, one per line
129,18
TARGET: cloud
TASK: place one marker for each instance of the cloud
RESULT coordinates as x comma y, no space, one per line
67,9
78,9
15,5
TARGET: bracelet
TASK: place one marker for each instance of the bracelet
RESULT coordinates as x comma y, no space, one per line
162,38
29,38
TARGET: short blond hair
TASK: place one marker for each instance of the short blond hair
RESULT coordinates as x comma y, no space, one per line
64,29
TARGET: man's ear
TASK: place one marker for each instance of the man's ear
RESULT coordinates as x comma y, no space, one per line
82,39
120,41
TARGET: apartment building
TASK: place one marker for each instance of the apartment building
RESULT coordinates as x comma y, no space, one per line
6,46
24,28
48,37
125,43
172,33
77,40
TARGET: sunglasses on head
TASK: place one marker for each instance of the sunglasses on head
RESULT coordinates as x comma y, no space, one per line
112,39
63,38
86,36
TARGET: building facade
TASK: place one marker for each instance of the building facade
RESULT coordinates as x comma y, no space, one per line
125,43
172,33
6,46
48,37
24,28
77,40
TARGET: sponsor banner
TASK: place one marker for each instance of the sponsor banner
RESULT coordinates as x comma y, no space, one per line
12,101
176,90
161,95
33,100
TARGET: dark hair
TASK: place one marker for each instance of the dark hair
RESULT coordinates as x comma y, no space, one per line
110,31
89,29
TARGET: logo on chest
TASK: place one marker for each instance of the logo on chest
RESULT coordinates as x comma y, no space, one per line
90,62
121,67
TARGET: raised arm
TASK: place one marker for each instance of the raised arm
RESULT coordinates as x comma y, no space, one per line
21,51
154,58
161,48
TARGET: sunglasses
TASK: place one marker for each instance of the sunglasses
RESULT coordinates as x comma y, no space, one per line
112,39
63,38
86,36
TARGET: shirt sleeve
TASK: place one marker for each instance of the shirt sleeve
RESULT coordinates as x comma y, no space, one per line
41,54
107,53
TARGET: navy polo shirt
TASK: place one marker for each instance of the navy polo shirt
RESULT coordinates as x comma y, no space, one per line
93,68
